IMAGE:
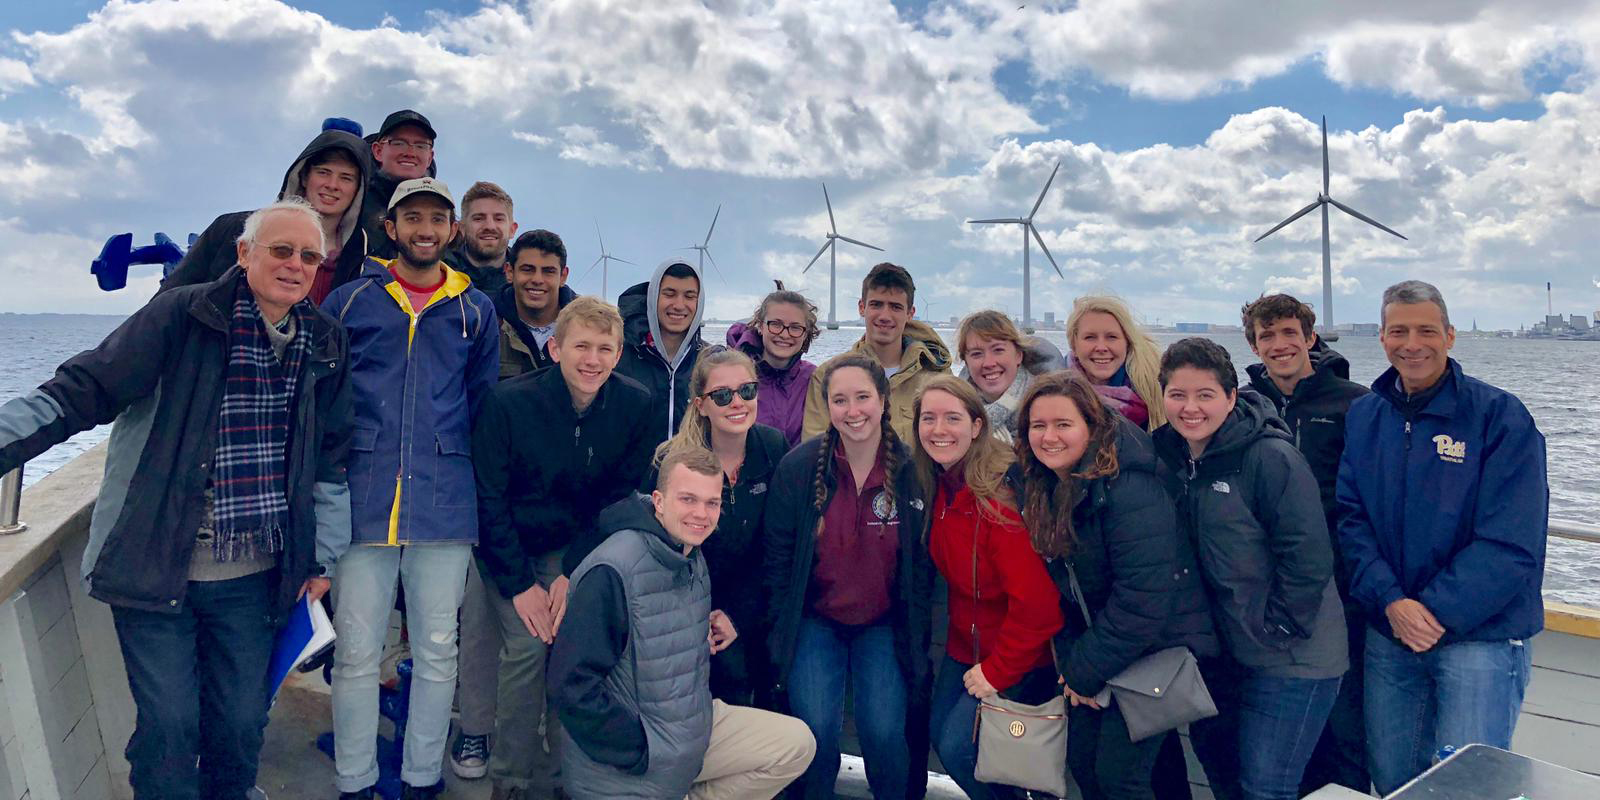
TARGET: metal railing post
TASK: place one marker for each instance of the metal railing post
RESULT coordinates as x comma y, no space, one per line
11,502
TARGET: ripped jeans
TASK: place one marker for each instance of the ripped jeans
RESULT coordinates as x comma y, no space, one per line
435,578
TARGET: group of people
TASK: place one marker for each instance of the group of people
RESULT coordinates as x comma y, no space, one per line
661,565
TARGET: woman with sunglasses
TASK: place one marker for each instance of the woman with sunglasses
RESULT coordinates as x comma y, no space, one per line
722,418
780,332
849,583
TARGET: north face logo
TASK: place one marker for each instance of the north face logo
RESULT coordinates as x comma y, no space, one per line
1450,450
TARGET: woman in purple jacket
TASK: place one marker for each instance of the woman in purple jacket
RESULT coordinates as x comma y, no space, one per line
780,332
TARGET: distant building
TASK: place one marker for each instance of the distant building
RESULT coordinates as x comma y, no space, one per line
1193,327
1578,322
1554,322
1049,319
1364,329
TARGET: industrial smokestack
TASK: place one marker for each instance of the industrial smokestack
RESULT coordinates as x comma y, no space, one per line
1549,308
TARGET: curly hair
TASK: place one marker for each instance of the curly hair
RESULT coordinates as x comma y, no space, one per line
987,460
893,452
1049,496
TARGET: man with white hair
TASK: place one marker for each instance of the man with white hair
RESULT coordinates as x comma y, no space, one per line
224,498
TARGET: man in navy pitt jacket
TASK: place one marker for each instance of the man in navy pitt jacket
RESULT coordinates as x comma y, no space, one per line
1445,506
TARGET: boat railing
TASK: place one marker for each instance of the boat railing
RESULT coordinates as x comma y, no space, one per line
66,714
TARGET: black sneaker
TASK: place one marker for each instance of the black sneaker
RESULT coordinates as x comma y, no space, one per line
422,792
364,794
469,757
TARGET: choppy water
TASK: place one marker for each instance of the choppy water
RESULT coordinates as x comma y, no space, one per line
1558,381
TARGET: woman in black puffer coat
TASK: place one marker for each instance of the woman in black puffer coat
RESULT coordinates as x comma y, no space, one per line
1093,499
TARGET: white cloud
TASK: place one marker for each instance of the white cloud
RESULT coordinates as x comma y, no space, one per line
14,75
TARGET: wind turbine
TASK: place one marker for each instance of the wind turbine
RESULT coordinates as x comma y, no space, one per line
705,247
831,248
1323,201
1027,228
605,258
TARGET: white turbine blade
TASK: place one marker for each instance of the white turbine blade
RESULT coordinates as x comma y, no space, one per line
714,264
991,221
831,225
713,225
1042,192
1364,218
621,260
1325,158
591,268
1040,240
814,258
598,236
863,244
1296,215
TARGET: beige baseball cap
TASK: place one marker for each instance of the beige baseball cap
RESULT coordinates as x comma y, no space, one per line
420,186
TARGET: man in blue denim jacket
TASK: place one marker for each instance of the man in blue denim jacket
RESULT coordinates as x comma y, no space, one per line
424,350
1445,505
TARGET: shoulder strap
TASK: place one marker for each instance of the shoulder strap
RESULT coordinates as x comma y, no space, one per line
977,595
1077,593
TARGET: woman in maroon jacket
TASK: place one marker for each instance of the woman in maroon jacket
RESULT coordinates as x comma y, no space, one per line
1004,609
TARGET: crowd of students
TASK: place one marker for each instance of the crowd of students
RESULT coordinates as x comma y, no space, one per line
662,565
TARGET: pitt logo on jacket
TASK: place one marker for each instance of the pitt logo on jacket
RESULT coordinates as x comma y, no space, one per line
1450,450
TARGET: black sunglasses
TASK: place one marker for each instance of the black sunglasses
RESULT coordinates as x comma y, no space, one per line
724,396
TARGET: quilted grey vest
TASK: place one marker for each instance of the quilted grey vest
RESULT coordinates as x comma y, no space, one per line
664,674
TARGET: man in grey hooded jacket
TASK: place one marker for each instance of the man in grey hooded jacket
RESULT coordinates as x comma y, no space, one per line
661,339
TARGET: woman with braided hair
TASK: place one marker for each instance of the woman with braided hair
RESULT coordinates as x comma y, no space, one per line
848,585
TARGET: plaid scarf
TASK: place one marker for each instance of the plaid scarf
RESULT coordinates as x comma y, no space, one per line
249,479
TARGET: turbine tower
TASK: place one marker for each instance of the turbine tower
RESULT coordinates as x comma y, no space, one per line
704,247
1323,201
1027,228
605,259
831,248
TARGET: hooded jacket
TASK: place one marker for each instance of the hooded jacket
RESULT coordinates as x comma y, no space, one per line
630,679
923,356
782,400
1039,356
736,589
519,351
545,471
1315,414
160,376
1250,505
646,361
489,280
214,252
1137,571
1447,504
419,377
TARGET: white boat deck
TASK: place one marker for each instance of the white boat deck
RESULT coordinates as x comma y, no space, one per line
65,711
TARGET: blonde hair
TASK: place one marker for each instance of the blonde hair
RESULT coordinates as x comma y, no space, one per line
989,324
693,432
699,461
1144,355
987,460
592,312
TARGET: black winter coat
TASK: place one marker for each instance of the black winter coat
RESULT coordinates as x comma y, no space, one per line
1315,414
731,553
544,471
1249,504
374,207
215,251
791,544
177,345
1136,569
643,363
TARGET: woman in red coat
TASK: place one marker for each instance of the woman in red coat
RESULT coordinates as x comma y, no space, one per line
1004,609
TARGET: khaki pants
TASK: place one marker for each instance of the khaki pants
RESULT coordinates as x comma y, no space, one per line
753,754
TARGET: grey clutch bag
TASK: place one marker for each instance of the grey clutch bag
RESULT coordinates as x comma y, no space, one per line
1159,692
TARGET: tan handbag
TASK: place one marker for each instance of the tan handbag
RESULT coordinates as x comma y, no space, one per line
1018,744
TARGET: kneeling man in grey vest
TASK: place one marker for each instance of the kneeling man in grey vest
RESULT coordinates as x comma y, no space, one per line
630,674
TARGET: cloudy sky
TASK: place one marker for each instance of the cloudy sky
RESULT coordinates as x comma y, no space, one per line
1184,129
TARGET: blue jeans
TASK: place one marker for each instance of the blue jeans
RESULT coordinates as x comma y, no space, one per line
199,682
435,577
1458,694
955,711
1257,746
825,655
